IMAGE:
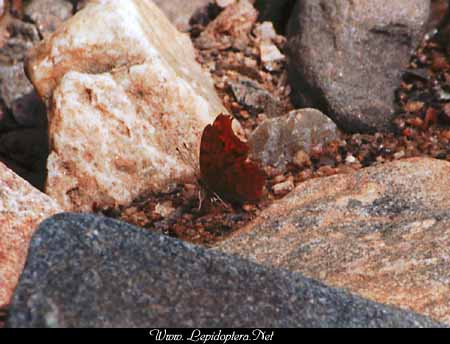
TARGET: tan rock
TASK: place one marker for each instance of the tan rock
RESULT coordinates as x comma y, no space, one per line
283,188
382,232
128,103
301,159
22,207
180,12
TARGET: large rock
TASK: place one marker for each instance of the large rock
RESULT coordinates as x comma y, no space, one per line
128,103
276,141
22,208
346,57
383,232
180,12
87,271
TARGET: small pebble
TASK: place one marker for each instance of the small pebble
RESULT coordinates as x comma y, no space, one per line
130,211
248,208
283,188
350,159
301,159
164,209
446,135
414,106
279,179
265,31
399,155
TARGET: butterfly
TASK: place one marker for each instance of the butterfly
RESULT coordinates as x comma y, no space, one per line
225,168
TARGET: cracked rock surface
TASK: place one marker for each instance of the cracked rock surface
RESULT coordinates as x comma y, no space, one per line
127,104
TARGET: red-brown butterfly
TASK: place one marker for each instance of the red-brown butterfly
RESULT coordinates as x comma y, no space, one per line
224,164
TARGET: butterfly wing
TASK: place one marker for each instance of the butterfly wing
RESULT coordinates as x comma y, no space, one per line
224,165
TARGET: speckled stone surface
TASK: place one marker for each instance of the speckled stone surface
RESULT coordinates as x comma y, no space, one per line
87,271
275,141
22,207
127,103
382,232
346,57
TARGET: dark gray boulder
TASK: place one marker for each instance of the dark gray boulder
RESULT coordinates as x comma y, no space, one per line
88,271
346,57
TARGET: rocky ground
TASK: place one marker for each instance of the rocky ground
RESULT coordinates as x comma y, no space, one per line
74,122
253,91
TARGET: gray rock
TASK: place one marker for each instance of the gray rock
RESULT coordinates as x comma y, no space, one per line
23,106
21,37
252,96
48,14
87,271
382,232
276,141
20,97
23,130
346,57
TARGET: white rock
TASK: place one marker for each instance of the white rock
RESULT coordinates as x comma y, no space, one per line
128,103
265,31
350,159
270,52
